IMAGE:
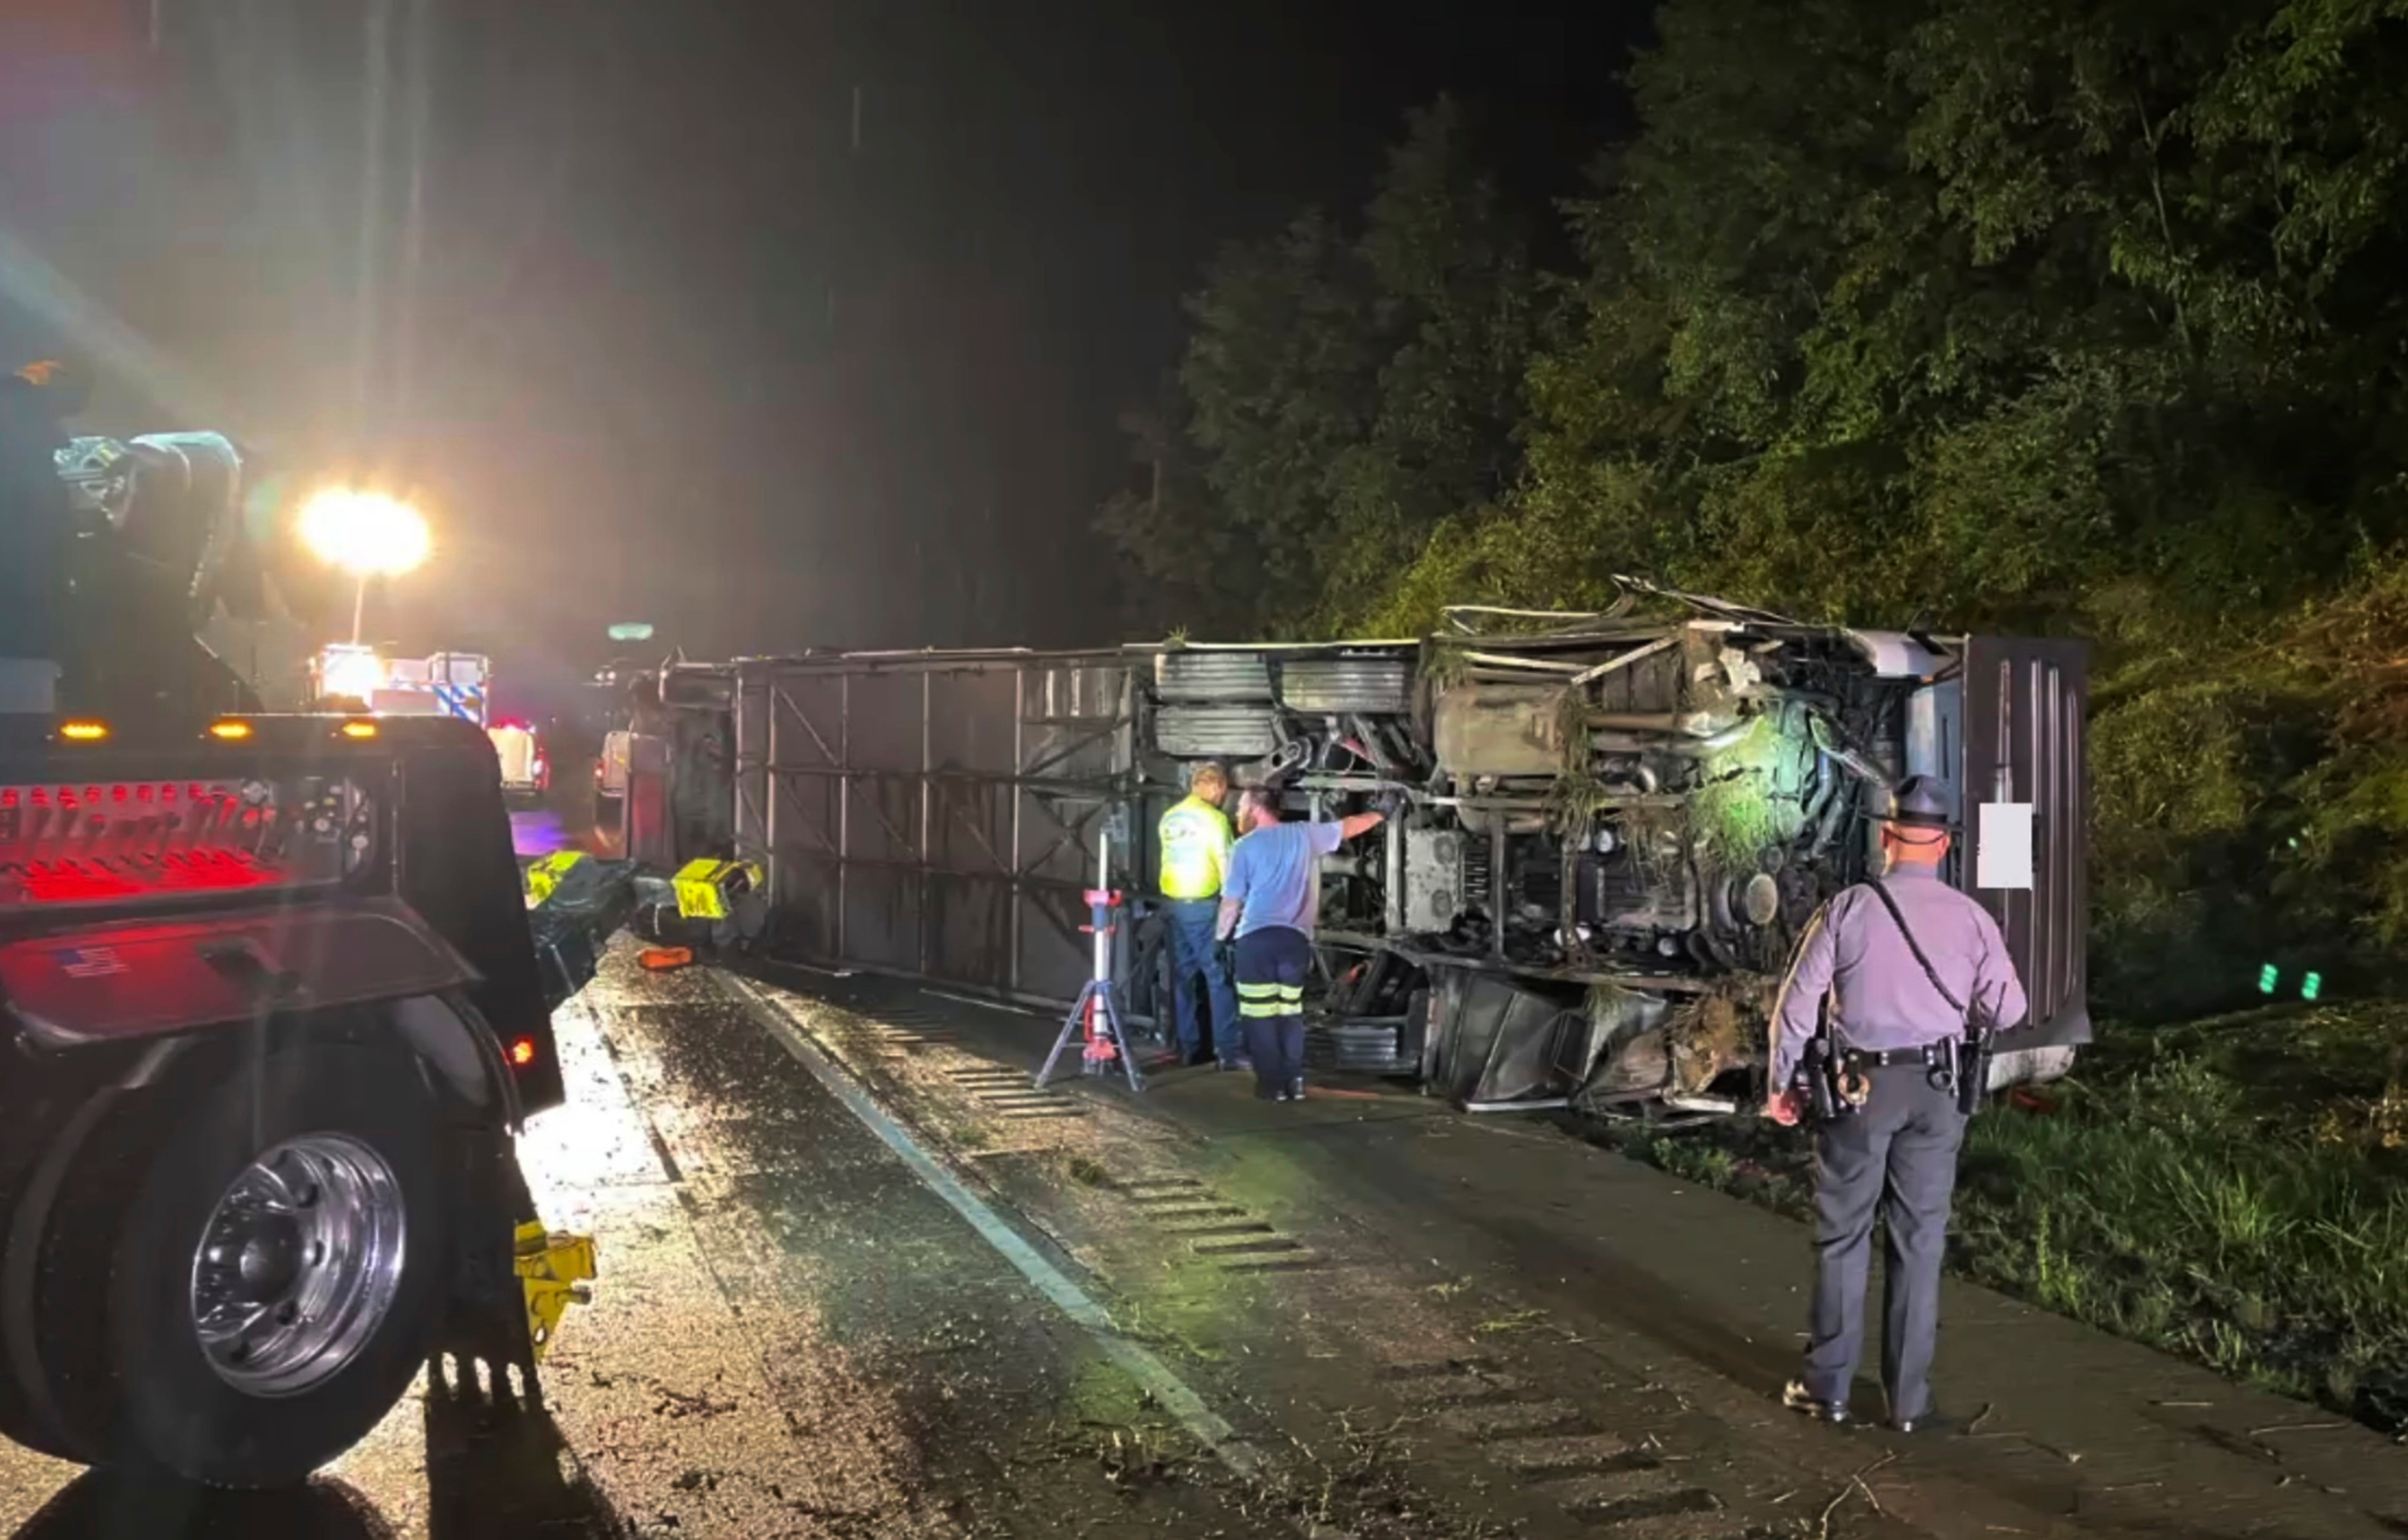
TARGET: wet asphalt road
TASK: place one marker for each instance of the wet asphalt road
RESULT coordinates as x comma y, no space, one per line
796,1334
793,1336
1187,1316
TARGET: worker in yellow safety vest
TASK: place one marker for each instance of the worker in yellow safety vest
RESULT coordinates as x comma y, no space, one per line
1195,840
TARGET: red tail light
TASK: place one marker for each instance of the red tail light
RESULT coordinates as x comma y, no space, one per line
522,1052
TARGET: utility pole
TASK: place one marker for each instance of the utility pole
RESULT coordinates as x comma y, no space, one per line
989,576
418,70
366,330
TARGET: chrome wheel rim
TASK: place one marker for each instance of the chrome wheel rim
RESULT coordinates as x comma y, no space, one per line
298,1264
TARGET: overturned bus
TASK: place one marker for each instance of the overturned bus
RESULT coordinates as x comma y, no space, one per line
1616,824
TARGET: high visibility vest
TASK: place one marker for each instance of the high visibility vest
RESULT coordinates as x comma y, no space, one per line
1196,841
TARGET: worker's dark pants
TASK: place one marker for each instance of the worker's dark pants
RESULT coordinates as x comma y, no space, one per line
1194,954
1271,965
1897,1156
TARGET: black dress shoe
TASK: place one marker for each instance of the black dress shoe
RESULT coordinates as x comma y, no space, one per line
1797,1398
1928,1422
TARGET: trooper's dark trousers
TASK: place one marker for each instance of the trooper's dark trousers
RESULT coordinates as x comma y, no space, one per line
1271,966
1897,1156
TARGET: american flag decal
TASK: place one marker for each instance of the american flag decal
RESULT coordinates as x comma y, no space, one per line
90,962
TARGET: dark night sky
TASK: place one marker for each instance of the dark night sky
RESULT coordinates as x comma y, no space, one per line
672,348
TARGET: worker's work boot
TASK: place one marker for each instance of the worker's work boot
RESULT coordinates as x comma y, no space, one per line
1798,1398
1295,1088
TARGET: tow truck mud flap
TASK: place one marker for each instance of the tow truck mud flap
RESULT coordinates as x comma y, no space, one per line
117,983
515,1283
508,1322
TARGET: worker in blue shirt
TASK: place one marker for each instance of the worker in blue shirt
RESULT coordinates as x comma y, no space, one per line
1269,899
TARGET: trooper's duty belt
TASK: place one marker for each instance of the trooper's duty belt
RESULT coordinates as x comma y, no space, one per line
1939,1055
1954,1066
1838,1084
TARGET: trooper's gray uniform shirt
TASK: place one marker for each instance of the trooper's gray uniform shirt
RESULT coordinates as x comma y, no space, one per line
1905,1139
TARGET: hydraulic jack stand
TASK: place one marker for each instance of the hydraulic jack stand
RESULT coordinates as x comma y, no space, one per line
1097,1009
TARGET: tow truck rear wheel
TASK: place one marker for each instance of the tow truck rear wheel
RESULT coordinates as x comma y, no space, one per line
280,1272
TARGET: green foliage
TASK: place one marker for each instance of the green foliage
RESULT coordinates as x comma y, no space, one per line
2189,1193
1748,802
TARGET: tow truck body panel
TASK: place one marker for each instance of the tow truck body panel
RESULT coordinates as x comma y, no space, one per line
162,883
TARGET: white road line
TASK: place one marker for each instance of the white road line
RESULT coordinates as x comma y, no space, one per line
982,1005
1150,1372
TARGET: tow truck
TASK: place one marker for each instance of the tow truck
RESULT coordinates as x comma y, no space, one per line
274,1004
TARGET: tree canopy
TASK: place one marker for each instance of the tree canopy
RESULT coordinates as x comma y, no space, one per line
2045,315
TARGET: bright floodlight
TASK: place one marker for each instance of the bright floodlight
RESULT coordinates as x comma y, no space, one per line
364,533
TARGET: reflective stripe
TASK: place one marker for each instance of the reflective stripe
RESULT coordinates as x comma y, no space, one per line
1260,991
1270,1008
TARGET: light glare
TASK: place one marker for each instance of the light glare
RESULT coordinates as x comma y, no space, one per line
350,673
364,533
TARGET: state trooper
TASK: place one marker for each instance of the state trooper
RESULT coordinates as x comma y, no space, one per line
1906,961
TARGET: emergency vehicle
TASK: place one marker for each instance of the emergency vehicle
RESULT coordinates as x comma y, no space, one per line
449,684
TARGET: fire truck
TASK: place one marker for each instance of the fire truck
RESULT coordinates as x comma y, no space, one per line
449,684
274,1002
